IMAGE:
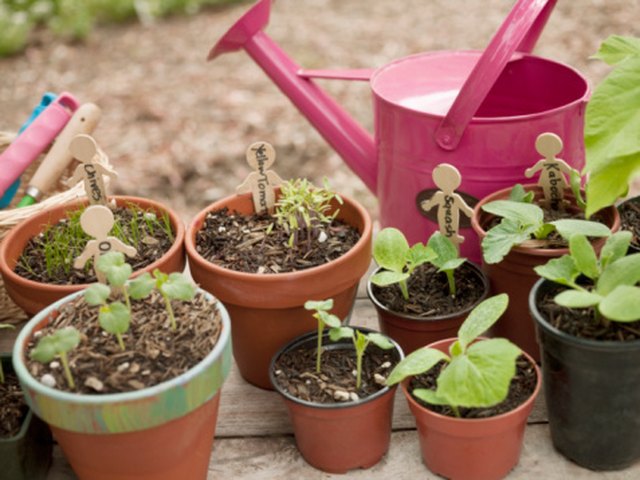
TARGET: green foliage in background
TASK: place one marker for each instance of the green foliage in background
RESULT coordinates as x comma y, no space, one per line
74,19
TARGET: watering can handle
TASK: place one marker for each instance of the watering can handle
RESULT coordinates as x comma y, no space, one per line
519,32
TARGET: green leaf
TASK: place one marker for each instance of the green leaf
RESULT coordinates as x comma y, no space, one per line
568,227
178,287
419,254
481,318
480,378
502,238
160,277
141,286
330,320
7,326
114,318
615,248
380,341
109,260
97,294
118,276
622,304
577,299
519,194
336,334
382,279
360,342
319,305
452,264
575,181
523,213
584,256
624,271
617,48
66,339
444,249
611,182
45,350
390,249
561,270
417,362
429,396
543,231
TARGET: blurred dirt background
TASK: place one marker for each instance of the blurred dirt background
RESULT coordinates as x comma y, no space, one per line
176,127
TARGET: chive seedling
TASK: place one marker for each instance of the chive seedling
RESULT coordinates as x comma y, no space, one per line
58,344
323,317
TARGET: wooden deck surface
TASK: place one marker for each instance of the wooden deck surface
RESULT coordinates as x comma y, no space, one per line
254,438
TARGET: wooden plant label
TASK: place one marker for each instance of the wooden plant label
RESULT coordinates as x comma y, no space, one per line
261,182
90,171
447,178
97,221
552,169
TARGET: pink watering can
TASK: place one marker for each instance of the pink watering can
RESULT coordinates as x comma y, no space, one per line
479,111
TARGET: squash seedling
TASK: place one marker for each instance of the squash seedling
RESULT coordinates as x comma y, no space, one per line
477,374
360,342
614,295
3,325
323,317
58,344
391,252
446,258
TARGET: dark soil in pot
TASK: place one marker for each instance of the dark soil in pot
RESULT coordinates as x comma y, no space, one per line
582,322
153,351
429,292
258,244
295,372
13,409
630,220
62,242
521,388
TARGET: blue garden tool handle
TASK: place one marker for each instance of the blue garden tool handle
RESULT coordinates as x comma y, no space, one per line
47,98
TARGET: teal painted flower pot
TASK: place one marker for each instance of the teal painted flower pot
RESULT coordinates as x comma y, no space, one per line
163,432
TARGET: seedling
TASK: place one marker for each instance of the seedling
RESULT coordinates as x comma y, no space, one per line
303,209
446,259
391,252
360,342
522,221
174,286
477,374
58,344
3,325
324,318
614,295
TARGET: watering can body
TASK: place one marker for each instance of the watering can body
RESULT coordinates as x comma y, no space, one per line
479,111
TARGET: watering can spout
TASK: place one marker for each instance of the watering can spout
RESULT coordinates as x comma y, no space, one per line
352,142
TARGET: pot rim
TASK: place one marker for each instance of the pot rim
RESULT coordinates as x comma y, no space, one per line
328,406
540,252
216,269
588,343
109,398
7,271
477,421
433,318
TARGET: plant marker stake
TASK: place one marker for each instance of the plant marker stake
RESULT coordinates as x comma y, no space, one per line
47,98
97,221
90,171
552,169
261,182
447,178
84,120
35,139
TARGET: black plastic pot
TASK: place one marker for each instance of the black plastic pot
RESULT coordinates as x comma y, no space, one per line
338,437
635,201
592,392
27,456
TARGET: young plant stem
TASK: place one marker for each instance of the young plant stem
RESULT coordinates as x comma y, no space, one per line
404,289
172,318
456,411
452,283
67,370
120,342
125,294
359,356
319,348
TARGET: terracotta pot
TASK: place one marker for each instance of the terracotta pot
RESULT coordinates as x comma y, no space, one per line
267,310
164,432
33,296
27,455
412,331
515,276
592,391
339,437
636,202
470,449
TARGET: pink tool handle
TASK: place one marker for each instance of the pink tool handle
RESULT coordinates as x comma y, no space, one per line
35,139
519,32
